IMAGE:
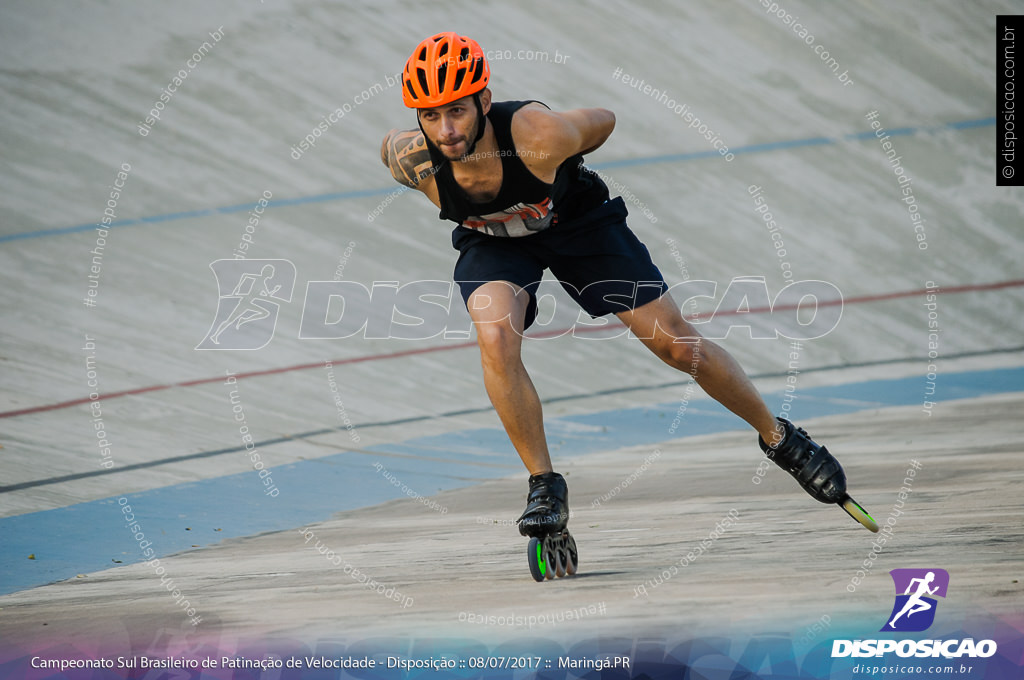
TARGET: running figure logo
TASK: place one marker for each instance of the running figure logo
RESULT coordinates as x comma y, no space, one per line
914,611
250,295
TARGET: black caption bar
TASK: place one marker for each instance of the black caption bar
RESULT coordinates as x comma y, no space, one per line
1008,150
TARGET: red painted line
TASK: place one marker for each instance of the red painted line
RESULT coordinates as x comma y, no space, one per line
864,299
250,374
970,288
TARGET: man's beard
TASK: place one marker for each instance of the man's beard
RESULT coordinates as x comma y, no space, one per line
476,134
469,149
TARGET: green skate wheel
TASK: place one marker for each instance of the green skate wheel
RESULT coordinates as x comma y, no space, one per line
551,560
854,510
534,555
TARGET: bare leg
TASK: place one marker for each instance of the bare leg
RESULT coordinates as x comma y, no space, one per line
659,324
499,315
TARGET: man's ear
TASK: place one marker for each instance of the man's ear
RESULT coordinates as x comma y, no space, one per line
485,100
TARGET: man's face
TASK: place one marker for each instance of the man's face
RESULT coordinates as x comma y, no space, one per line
452,128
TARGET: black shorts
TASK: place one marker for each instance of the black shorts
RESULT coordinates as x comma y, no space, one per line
600,263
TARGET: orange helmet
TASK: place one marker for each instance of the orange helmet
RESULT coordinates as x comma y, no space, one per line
443,68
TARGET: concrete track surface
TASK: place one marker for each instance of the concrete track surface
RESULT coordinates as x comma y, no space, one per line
385,451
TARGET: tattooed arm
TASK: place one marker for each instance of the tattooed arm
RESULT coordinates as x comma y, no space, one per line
405,154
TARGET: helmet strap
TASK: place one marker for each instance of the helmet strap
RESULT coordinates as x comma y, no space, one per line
481,122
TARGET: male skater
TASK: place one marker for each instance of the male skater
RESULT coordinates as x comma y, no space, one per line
511,175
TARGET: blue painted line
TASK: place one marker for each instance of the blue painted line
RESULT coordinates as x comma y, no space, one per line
89,537
901,132
364,193
978,122
205,212
695,155
60,231
188,214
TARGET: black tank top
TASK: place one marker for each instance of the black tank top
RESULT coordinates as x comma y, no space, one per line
524,204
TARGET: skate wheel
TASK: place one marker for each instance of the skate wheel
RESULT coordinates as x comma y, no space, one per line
573,562
534,555
854,510
551,560
560,560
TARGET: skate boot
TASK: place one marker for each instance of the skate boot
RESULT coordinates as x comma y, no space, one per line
552,549
816,470
547,506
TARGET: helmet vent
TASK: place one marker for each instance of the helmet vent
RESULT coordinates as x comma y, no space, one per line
442,75
421,75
